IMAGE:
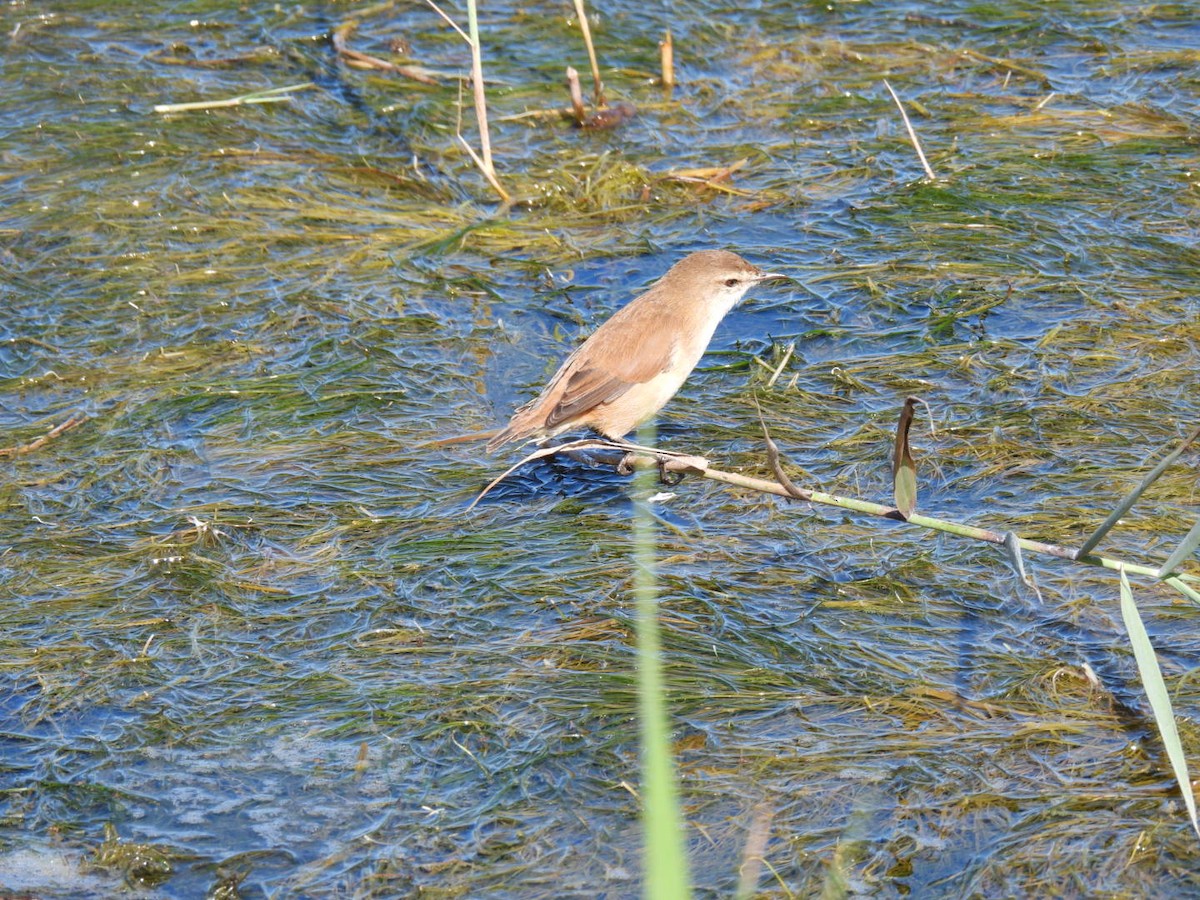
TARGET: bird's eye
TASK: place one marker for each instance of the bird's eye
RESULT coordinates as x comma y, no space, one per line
731,282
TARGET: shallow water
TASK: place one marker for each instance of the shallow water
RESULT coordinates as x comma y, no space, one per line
248,622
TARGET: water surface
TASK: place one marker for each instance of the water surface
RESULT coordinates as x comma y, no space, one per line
248,624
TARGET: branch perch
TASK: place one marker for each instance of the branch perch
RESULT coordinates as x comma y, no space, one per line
670,461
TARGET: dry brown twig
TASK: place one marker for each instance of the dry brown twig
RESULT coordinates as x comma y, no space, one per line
712,177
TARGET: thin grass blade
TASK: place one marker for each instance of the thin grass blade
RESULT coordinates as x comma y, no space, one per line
1185,549
1156,693
1125,505
1184,588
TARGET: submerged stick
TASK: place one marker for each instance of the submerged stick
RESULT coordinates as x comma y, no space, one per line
273,95
360,60
46,438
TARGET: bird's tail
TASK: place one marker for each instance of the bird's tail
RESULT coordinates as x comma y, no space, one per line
499,439
526,423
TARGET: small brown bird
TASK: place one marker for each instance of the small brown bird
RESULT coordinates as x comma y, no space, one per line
635,362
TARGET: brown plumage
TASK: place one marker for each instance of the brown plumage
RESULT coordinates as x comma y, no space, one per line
635,362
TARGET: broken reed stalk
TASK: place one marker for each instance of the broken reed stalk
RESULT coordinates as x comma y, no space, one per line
485,140
591,51
666,53
576,94
912,134
484,162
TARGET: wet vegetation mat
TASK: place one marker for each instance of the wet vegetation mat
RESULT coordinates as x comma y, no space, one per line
252,641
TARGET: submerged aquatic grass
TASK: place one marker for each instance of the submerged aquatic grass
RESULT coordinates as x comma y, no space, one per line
252,629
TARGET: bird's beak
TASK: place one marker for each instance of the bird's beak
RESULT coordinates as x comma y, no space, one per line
767,276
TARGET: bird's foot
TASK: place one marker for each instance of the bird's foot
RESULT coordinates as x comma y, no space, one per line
670,479
626,464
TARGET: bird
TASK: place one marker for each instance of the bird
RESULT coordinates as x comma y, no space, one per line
627,370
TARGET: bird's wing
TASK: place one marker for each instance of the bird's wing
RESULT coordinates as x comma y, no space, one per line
631,355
